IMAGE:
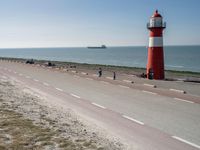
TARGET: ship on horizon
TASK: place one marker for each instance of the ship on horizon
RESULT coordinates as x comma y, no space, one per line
97,47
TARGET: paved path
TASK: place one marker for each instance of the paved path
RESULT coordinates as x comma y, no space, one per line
143,118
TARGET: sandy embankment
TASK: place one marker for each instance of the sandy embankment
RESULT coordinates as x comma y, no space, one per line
27,121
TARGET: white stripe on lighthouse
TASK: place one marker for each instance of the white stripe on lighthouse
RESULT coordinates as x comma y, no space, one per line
155,41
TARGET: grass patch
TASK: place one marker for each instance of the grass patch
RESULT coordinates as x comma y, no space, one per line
23,134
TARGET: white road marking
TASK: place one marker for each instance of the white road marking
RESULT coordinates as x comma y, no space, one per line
179,91
15,72
149,85
129,118
59,89
95,75
46,84
89,78
36,80
185,141
76,76
104,82
4,77
178,99
28,77
128,81
100,106
73,71
109,78
84,73
74,95
149,92
124,86
21,74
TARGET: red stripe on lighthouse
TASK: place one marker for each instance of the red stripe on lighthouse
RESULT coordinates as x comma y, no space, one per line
154,32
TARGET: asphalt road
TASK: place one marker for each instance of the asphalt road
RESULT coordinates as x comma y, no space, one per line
145,119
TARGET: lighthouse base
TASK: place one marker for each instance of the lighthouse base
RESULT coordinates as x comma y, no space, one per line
155,64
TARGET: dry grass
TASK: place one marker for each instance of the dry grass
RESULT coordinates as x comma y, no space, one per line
18,133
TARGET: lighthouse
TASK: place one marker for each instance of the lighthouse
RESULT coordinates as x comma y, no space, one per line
155,62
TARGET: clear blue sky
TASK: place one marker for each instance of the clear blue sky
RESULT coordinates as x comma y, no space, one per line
60,23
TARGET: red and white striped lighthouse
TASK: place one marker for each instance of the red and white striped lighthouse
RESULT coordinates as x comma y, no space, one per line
155,63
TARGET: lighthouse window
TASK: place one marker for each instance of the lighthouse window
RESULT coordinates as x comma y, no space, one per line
158,22
152,22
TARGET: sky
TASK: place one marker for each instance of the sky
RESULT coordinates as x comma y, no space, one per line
81,23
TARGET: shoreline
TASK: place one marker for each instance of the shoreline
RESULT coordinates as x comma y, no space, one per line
135,71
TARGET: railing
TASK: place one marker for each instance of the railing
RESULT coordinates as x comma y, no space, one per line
154,25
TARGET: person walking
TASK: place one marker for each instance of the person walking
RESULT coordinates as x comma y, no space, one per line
114,75
100,72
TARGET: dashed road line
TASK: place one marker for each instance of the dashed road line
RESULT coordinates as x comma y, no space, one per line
74,95
28,77
185,141
179,91
76,76
134,120
128,81
46,84
104,82
183,100
122,86
59,89
95,75
100,106
149,85
20,74
109,78
149,92
4,77
89,78
36,80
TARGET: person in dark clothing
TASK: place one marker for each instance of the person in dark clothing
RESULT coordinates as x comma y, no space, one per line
114,75
100,72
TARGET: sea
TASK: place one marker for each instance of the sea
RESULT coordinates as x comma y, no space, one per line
181,58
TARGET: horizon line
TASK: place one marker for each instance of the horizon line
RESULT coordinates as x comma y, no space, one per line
87,46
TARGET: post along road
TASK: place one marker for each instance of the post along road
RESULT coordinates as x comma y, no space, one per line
143,119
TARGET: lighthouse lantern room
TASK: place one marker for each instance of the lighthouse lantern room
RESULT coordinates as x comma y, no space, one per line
155,62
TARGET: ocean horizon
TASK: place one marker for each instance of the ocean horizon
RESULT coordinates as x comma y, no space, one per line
180,58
